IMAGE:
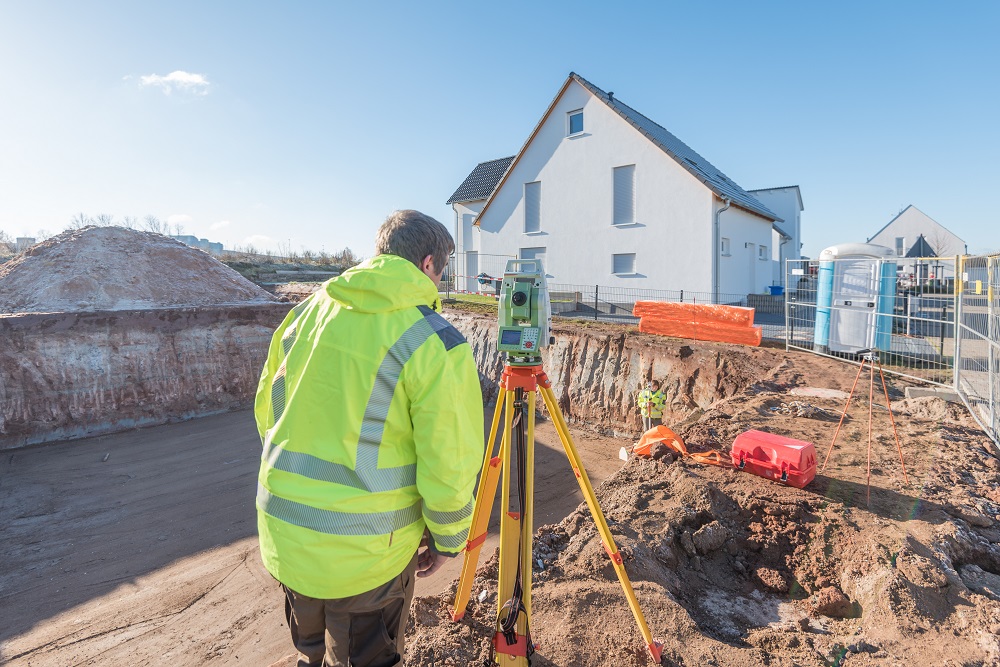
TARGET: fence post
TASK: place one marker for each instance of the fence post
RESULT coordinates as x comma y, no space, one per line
991,330
944,315
596,287
682,296
957,365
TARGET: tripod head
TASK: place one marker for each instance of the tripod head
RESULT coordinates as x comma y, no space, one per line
524,311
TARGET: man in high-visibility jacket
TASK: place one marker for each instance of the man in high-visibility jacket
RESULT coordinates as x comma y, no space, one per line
651,402
371,415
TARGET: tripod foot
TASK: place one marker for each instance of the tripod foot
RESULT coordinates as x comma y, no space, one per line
656,650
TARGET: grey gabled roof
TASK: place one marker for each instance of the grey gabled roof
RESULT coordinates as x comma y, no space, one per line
698,166
921,248
480,183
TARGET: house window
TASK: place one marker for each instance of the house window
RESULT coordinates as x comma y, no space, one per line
574,122
532,207
762,252
900,246
623,264
724,247
624,205
533,253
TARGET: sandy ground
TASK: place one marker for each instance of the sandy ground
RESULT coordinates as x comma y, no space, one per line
140,547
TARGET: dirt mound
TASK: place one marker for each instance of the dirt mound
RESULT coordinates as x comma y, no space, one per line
112,268
732,569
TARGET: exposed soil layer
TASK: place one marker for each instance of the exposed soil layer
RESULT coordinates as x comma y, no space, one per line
732,569
113,268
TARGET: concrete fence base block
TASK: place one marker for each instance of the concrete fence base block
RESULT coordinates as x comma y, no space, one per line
937,392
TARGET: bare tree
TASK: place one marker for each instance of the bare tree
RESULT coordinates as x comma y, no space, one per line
178,229
7,245
153,224
79,221
104,220
129,222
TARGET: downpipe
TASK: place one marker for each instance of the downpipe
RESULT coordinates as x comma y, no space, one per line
717,253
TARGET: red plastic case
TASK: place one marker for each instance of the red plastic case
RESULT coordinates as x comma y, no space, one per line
781,459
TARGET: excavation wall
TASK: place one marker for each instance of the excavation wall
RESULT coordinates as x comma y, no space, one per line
597,372
71,375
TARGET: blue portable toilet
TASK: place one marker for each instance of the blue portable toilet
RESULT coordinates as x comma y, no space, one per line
855,298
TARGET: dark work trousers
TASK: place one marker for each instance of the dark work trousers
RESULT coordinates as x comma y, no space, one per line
364,630
650,422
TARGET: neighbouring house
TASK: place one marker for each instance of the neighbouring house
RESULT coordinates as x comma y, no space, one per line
786,241
210,247
914,234
467,202
604,195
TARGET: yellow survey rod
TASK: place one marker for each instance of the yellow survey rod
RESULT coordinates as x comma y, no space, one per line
485,496
595,510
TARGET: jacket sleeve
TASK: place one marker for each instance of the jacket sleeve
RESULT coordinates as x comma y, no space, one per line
446,408
262,408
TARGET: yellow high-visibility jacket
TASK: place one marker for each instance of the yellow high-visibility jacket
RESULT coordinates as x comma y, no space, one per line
371,415
651,403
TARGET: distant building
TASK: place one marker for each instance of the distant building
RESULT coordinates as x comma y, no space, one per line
22,243
914,234
202,244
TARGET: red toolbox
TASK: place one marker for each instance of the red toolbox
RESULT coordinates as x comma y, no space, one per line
784,460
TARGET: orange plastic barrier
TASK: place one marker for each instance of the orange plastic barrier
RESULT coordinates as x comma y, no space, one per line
663,434
724,324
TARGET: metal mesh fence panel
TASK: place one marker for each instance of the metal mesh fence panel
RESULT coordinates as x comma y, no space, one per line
977,372
842,307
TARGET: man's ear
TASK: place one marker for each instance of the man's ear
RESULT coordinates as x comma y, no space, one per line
427,264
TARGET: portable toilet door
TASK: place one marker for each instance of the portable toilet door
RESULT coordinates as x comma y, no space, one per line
855,298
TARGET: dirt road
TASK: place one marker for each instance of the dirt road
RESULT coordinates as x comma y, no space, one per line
140,547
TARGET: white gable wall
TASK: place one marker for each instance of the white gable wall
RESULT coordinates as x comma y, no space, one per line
785,202
672,239
742,272
913,222
467,264
909,225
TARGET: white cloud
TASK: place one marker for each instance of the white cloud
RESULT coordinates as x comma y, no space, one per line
215,226
185,82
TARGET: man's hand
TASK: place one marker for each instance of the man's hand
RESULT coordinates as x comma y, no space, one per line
429,562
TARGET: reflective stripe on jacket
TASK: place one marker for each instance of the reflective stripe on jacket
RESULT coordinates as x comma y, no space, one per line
371,415
651,403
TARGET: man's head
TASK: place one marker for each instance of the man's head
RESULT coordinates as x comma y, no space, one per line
418,238
655,384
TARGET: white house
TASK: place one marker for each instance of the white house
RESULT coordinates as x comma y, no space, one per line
787,237
606,196
912,233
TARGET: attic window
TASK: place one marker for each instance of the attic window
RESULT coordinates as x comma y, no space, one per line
574,122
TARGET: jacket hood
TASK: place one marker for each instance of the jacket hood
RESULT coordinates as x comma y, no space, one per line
383,283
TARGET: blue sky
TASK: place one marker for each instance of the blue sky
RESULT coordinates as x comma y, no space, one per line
304,124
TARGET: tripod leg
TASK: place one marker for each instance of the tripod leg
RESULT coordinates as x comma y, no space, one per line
512,542
529,507
892,421
595,510
843,415
486,494
871,390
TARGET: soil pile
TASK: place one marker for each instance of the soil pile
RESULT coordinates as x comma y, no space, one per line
113,268
732,569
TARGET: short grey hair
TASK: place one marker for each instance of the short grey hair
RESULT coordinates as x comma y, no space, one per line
412,235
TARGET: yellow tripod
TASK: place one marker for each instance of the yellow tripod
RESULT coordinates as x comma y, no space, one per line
517,394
